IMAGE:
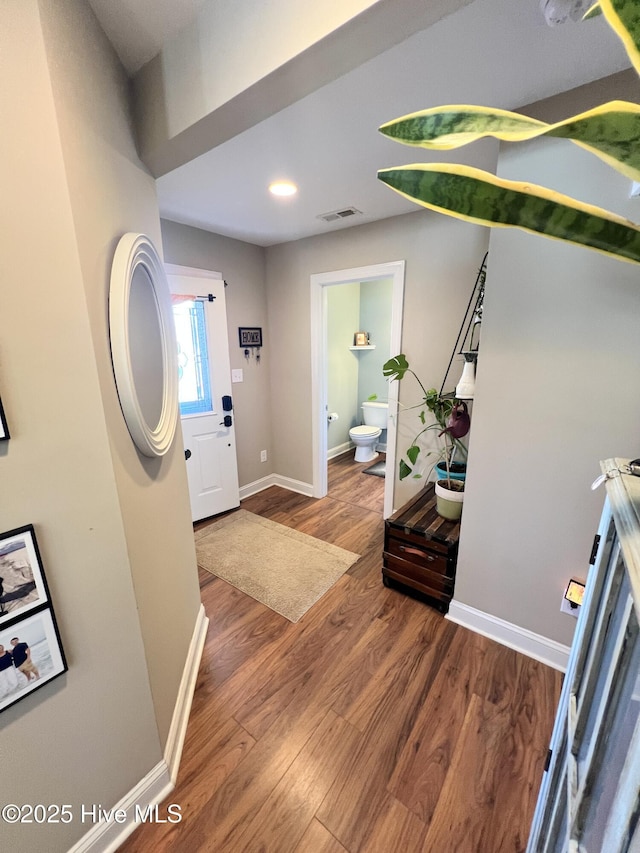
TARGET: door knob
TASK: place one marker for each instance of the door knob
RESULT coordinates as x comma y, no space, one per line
187,454
227,421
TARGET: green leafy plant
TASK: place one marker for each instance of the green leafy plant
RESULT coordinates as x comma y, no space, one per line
610,131
435,414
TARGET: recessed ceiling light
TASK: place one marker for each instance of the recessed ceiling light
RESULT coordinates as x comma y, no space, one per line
283,188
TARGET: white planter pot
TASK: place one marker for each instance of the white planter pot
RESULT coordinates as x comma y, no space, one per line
448,502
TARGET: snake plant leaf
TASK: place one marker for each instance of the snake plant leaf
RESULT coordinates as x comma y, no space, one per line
451,126
478,196
593,12
611,131
623,16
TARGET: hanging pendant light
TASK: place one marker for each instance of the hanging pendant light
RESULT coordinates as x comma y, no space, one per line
466,387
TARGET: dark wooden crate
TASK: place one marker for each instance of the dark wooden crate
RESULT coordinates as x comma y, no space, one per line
421,550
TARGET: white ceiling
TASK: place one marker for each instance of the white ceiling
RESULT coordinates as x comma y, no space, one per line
493,52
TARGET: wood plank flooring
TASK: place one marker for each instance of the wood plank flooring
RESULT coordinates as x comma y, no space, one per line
373,725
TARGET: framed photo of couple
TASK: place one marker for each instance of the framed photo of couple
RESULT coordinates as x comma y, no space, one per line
31,652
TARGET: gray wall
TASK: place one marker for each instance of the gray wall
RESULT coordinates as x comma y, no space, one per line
243,268
343,319
111,193
353,377
375,318
70,468
442,258
557,390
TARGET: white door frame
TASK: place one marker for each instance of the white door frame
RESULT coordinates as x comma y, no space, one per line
193,272
319,391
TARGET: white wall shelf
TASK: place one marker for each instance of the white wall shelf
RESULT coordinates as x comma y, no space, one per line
369,346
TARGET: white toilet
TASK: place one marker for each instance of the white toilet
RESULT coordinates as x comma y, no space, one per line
366,437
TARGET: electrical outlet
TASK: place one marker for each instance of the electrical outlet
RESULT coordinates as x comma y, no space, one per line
263,455
236,375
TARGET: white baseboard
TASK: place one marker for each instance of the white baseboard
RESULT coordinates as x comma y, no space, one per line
334,452
533,645
256,486
178,728
294,485
349,446
107,836
276,480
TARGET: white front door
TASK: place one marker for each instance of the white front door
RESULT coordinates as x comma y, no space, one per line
206,407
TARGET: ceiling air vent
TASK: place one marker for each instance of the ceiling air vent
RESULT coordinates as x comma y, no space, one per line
561,11
343,213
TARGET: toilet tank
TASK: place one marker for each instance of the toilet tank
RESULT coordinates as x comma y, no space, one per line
375,414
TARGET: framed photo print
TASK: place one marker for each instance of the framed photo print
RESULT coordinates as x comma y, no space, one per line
23,586
250,337
4,429
360,339
30,655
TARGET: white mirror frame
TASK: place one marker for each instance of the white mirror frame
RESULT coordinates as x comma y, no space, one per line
135,250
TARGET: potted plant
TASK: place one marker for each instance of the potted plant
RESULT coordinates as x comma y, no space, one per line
610,131
450,419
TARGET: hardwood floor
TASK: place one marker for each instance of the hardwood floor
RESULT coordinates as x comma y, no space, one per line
373,724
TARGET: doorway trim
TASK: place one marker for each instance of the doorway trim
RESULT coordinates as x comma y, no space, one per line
319,390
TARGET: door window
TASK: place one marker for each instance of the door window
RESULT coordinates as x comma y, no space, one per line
194,388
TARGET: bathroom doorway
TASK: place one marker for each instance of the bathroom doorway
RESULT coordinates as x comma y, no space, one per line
320,283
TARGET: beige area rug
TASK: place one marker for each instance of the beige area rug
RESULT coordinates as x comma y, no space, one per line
280,567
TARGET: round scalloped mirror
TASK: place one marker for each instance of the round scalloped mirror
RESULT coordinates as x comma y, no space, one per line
143,346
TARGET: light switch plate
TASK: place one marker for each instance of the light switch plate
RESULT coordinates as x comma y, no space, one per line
236,375
565,607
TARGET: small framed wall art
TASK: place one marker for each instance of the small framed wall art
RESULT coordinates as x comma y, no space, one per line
31,652
4,429
250,337
30,656
23,586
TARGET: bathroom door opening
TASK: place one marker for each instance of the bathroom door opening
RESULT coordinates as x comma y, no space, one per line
319,367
